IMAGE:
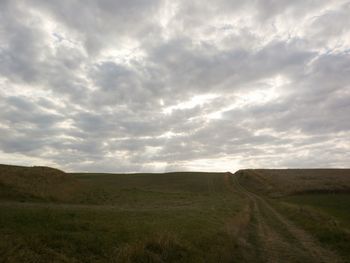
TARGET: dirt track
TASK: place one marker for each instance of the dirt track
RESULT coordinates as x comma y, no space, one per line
278,239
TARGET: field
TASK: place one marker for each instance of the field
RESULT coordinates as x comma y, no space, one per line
250,216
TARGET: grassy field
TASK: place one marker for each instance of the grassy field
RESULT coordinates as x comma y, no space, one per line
175,217
47,215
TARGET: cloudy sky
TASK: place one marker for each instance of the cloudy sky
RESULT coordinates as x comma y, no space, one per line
151,85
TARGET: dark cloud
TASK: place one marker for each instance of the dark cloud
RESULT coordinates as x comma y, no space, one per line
160,85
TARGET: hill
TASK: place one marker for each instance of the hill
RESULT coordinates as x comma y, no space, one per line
282,182
42,183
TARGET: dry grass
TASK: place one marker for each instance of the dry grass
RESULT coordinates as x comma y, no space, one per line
42,183
282,182
173,217
164,247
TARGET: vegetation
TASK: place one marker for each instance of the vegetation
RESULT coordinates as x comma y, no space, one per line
36,183
328,225
47,215
316,200
175,217
282,182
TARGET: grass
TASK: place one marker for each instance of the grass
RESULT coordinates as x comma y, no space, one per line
327,222
36,183
47,215
325,215
316,200
150,190
283,182
174,217
90,235
336,205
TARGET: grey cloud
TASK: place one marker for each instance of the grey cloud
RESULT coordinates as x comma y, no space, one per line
30,128
229,70
330,27
269,8
19,110
26,57
116,85
97,22
21,44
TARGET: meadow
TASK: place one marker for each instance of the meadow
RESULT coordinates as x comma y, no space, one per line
174,217
47,215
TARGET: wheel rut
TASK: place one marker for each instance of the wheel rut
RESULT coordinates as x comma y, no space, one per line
279,240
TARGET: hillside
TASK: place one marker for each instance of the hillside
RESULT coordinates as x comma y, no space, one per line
282,182
41,183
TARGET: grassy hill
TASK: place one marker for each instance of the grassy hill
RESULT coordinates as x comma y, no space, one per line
282,182
47,215
42,183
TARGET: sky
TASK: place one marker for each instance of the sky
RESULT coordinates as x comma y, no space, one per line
154,86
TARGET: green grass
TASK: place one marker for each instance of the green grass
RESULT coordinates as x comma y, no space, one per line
110,188
171,217
175,217
283,182
316,200
36,183
335,205
325,216
89,235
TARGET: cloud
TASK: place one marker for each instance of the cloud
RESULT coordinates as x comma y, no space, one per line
154,85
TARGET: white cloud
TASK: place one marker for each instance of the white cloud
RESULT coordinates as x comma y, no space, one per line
161,85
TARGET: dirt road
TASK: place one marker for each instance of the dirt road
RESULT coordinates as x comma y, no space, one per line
277,238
